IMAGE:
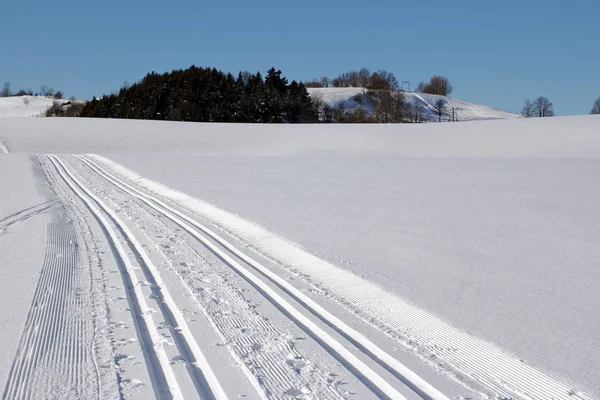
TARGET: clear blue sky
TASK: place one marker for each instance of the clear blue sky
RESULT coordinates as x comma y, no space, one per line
494,52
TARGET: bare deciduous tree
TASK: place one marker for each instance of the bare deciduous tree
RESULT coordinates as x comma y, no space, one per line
324,81
389,106
527,110
440,106
542,107
46,90
415,112
596,107
5,92
363,77
383,80
320,106
439,85
26,101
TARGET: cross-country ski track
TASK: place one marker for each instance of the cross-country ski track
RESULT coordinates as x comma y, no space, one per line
189,281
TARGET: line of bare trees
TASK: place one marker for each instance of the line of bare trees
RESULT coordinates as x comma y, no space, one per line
380,79
45,90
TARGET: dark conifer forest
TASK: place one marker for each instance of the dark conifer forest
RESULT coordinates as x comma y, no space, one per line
208,95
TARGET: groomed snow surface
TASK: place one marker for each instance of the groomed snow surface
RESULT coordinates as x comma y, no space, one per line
324,262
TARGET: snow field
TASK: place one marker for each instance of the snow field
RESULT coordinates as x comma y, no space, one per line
403,373
452,349
272,315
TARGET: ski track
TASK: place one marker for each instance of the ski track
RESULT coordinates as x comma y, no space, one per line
361,370
165,380
268,354
463,356
25,214
54,358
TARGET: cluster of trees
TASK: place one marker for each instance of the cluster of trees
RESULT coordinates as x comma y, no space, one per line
380,91
438,84
381,79
208,95
540,107
65,109
389,106
45,90
362,78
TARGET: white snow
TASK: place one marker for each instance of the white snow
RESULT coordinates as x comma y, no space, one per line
20,233
15,107
484,233
464,111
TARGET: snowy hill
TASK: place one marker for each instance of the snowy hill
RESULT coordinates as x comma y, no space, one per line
352,98
11,107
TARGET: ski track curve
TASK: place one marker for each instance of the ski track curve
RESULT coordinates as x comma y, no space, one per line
443,345
200,372
405,375
25,214
54,357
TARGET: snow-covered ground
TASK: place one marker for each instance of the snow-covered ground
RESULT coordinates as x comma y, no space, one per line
464,111
303,261
24,106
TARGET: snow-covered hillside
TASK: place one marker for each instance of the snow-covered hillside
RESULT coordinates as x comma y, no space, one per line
24,106
464,111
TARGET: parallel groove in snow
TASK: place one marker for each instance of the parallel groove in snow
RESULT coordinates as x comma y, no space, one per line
476,358
54,356
374,381
222,304
148,333
203,376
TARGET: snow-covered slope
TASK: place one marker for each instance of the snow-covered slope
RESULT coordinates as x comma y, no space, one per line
12,107
464,111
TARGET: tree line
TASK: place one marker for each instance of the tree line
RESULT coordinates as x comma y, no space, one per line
380,80
543,107
45,90
208,95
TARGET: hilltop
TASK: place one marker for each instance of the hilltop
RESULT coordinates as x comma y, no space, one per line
353,97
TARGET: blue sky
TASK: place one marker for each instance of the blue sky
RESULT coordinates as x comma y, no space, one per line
494,52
